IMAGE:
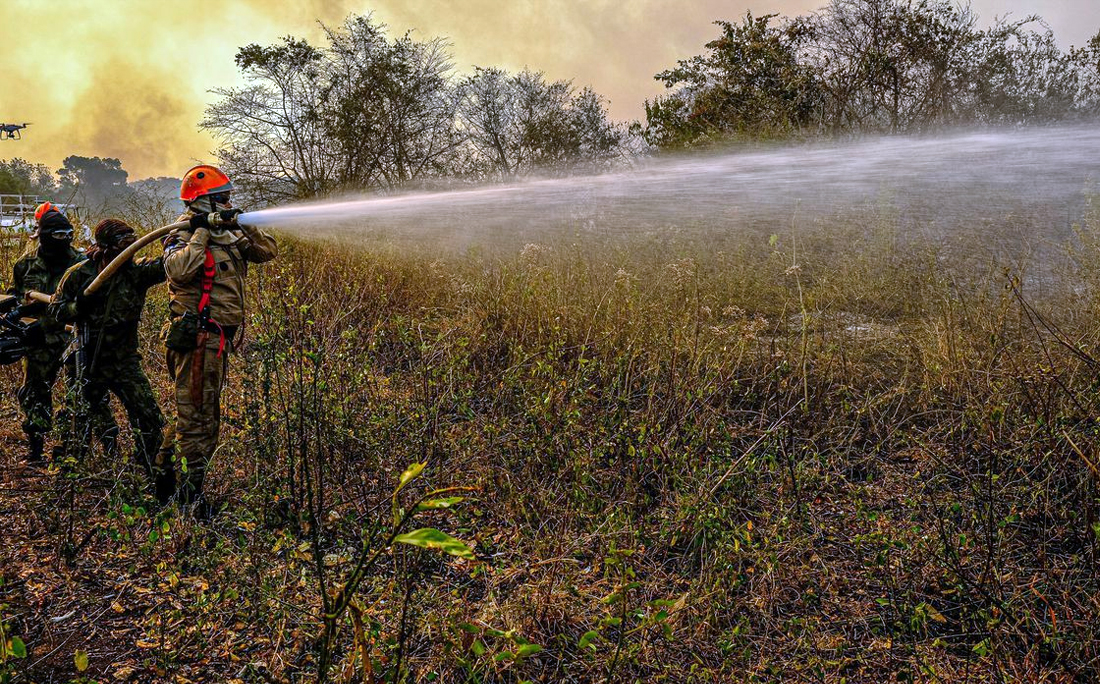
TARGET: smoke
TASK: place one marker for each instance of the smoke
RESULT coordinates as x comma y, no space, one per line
612,46
130,78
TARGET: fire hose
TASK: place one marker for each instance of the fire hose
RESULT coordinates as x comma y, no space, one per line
39,297
128,253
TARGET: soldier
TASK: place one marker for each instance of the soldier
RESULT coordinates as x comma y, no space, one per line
37,273
206,265
107,328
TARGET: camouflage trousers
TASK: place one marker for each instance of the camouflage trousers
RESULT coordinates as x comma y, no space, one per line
199,377
41,367
125,378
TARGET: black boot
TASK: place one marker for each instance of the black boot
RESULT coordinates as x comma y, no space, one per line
192,500
164,484
35,445
200,509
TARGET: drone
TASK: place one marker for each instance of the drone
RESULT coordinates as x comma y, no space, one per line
11,131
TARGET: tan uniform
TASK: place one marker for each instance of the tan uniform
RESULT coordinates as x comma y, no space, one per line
200,374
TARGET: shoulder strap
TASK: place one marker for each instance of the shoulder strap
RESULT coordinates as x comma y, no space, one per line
208,270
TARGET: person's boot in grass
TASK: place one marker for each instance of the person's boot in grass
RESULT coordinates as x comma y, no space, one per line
35,446
192,500
164,484
201,510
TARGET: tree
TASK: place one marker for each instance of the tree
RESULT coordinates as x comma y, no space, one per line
367,112
363,112
272,138
390,106
750,82
892,65
517,123
152,202
93,182
1021,76
1086,61
873,66
20,177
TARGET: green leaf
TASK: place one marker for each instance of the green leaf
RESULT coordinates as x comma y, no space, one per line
528,650
469,628
506,655
18,649
982,648
587,639
431,538
478,648
80,659
434,504
410,474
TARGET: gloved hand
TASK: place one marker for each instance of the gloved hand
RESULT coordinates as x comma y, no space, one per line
200,221
218,220
228,217
85,304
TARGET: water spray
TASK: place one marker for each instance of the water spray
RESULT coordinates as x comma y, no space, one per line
938,187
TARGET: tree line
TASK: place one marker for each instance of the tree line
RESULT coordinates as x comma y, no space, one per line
96,185
870,67
363,111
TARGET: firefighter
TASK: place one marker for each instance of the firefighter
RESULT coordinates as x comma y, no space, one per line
206,265
108,357
35,276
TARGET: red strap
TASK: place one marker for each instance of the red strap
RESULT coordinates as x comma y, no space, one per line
208,271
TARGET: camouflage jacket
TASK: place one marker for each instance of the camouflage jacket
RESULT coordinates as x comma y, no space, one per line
112,324
34,272
233,250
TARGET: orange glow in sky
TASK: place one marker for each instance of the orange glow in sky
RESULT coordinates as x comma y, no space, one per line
130,78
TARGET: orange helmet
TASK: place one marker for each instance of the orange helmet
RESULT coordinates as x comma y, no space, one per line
43,209
203,180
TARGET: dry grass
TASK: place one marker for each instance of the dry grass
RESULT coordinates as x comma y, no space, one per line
833,456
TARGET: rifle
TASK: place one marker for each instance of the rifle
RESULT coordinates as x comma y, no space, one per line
17,334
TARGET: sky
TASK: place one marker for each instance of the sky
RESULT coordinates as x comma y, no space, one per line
131,78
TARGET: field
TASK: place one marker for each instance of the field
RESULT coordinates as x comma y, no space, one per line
832,452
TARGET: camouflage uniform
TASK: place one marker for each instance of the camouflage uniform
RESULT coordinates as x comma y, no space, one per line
200,374
112,362
39,272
